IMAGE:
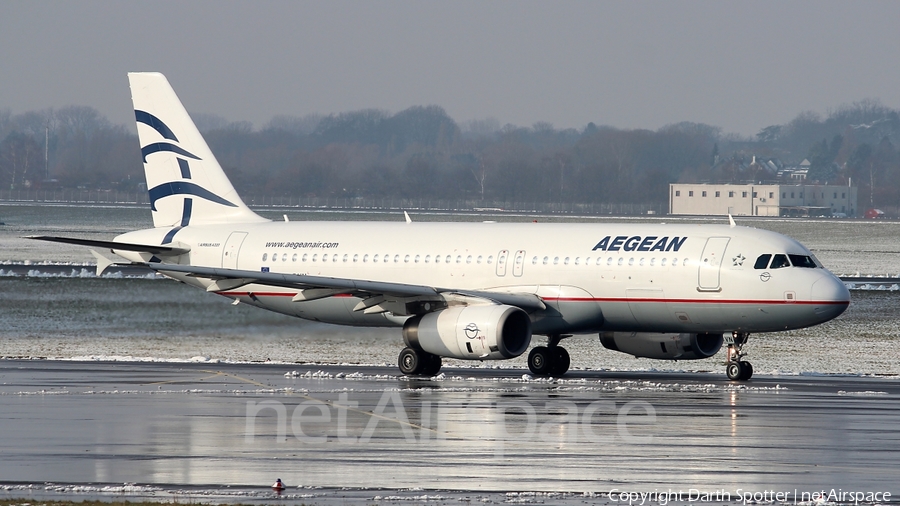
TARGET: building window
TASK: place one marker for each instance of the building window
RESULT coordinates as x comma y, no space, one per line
691,193
801,195
771,195
792,194
754,195
730,194
677,193
744,195
835,194
717,194
704,193
843,195
784,195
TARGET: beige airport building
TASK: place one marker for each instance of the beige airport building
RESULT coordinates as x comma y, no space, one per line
762,200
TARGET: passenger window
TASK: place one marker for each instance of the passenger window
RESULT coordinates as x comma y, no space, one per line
802,261
762,261
490,260
375,259
365,258
546,259
427,259
662,262
577,260
469,259
294,258
345,258
555,260
621,260
265,255
284,257
406,259
448,259
305,256
417,258
534,261
355,258
314,257
631,261
779,261
396,259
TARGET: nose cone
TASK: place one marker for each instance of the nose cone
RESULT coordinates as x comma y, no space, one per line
830,297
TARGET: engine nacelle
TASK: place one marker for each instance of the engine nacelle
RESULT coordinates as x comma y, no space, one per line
663,346
489,332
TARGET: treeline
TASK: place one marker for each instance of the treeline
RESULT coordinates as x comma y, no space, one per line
423,153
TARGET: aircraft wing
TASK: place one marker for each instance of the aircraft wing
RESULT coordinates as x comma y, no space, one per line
320,286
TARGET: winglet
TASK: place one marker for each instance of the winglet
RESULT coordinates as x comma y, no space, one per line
103,263
731,220
408,219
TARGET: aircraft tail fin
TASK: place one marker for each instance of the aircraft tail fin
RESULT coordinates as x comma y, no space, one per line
187,185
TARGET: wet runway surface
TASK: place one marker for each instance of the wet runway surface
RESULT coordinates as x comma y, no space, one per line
336,432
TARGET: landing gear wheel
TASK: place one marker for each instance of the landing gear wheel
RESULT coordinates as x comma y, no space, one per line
434,365
747,369
734,371
540,360
560,362
411,361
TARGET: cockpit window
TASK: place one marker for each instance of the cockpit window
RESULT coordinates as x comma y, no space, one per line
762,262
779,261
802,261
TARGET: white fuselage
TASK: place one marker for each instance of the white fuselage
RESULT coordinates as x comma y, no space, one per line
592,277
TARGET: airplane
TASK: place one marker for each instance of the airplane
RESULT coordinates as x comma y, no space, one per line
471,291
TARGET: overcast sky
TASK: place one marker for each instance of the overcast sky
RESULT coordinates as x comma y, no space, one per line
630,64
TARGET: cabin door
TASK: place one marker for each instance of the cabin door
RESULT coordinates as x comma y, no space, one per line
711,263
232,249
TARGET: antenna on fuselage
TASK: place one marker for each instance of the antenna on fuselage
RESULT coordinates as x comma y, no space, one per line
408,219
731,220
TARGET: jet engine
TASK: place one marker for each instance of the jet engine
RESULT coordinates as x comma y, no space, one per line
489,332
663,346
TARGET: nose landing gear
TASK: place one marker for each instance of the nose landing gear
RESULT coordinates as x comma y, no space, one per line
736,368
550,360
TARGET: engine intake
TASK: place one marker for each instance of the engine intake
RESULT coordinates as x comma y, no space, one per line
663,346
489,332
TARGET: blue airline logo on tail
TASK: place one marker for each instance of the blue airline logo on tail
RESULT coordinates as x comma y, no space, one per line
174,187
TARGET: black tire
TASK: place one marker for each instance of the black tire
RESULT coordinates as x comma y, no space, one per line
433,365
411,361
561,361
541,360
734,371
747,371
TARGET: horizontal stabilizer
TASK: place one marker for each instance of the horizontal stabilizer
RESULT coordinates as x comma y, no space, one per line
113,245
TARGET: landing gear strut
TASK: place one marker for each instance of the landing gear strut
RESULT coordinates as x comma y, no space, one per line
415,362
736,368
550,360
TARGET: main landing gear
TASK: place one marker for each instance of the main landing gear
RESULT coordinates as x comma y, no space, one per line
550,360
415,362
736,368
